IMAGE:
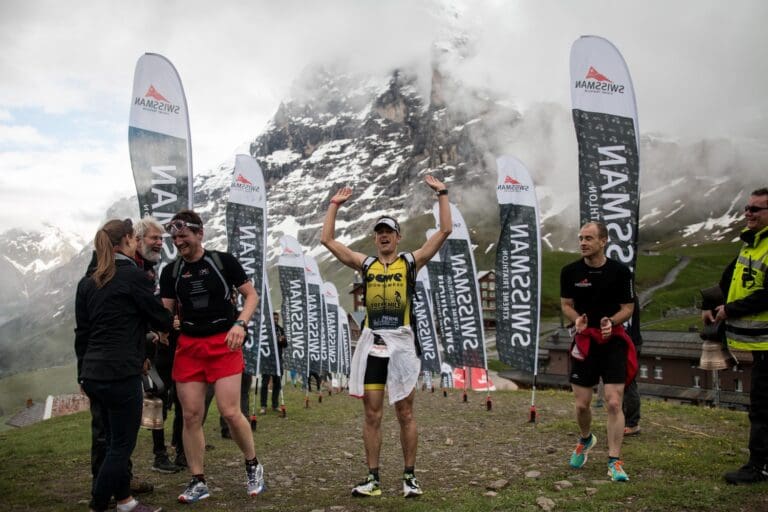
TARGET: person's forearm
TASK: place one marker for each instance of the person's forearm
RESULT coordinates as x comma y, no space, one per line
328,233
446,223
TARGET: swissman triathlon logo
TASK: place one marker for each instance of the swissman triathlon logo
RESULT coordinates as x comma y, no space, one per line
596,82
245,184
155,102
512,185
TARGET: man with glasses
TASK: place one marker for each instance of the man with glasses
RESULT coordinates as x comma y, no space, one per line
745,313
209,348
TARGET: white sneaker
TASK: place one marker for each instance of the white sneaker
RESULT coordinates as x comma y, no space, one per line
256,483
411,487
195,491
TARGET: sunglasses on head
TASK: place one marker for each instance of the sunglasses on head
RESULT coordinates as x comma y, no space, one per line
754,209
176,226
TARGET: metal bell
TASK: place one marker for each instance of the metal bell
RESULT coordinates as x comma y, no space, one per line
152,413
714,356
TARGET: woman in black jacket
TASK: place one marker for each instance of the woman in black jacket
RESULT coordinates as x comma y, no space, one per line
114,308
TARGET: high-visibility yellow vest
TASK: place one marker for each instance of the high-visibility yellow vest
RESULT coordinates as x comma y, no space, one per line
749,332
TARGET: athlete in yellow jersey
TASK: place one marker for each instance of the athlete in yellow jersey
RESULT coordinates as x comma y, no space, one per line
387,299
387,302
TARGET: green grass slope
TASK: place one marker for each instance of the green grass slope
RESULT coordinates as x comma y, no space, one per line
314,456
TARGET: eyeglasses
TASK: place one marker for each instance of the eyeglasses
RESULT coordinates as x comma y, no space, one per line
754,209
176,226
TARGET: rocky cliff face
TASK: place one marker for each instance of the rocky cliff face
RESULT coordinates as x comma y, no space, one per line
381,135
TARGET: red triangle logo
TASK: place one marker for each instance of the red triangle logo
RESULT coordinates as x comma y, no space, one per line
242,179
596,75
152,93
287,250
509,180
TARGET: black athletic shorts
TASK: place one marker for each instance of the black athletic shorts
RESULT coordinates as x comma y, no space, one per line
607,360
375,373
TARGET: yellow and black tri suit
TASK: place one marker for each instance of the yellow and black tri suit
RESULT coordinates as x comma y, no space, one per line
388,306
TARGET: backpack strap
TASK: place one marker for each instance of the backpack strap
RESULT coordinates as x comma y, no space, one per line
216,257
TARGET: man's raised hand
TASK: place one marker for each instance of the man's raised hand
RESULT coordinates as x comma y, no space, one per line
341,196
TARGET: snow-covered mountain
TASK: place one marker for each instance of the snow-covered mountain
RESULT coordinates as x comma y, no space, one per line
381,135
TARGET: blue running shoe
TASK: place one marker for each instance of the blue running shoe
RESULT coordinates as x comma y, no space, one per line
616,471
580,454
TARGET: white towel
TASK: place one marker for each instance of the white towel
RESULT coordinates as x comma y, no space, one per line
404,364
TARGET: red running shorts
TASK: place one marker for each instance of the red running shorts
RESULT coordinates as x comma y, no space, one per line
205,359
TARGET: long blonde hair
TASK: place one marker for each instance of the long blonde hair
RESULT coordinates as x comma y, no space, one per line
107,239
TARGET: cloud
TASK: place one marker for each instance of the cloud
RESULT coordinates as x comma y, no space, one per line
695,74
68,187
11,135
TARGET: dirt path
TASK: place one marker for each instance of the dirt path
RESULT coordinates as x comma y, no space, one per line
646,296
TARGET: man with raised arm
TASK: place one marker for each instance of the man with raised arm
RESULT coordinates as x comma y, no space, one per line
387,351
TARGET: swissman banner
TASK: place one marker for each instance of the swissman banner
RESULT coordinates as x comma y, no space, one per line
424,323
159,143
269,353
314,311
463,292
293,286
605,117
246,236
345,347
331,298
518,267
440,288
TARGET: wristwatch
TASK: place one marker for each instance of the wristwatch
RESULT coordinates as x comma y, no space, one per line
443,192
241,323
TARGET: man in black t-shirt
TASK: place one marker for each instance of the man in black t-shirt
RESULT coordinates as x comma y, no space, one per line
597,296
209,349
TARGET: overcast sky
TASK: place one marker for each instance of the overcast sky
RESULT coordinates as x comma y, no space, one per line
66,72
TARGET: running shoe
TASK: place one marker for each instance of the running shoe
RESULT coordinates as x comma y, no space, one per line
747,474
368,487
580,454
163,464
411,487
196,490
255,479
616,471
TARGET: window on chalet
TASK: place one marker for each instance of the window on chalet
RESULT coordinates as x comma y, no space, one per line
643,371
696,381
738,386
657,373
